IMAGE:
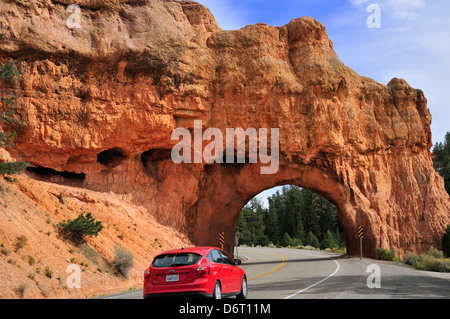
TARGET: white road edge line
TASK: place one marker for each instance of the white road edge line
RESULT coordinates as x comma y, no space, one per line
313,285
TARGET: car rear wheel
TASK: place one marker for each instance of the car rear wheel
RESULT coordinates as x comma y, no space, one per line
217,294
244,289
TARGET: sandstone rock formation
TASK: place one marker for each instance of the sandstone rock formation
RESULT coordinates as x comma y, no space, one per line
101,102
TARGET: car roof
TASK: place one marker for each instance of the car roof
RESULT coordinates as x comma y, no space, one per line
198,250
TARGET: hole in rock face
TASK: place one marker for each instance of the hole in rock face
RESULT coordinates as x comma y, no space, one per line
111,158
233,162
50,175
151,158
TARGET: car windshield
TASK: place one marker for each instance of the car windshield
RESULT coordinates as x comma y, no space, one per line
176,260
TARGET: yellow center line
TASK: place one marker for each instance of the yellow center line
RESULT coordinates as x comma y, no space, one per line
273,270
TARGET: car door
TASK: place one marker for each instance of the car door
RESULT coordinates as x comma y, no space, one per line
217,265
233,282
221,270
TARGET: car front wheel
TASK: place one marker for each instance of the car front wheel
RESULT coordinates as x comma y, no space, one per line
244,289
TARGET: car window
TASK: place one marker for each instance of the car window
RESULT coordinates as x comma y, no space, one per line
225,258
214,256
176,260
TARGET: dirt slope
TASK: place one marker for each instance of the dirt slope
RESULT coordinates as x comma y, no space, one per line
32,209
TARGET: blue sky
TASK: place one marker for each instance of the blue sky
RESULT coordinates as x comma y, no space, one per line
412,43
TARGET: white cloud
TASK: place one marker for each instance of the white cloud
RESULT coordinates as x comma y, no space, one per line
403,9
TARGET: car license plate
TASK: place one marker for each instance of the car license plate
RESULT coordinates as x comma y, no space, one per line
172,278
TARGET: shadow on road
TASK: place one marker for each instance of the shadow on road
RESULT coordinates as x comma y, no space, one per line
304,260
398,287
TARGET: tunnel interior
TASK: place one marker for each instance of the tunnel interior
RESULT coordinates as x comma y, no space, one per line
290,216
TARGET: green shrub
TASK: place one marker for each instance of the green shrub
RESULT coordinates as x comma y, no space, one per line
48,272
433,252
12,168
77,229
443,265
31,260
386,254
433,260
5,251
8,71
9,113
21,289
411,259
123,260
21,242
427,262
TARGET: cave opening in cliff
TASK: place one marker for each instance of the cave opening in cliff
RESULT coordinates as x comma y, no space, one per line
50,175
112,157
151,158
290,216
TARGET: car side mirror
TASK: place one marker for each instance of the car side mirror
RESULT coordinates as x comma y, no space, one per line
237,262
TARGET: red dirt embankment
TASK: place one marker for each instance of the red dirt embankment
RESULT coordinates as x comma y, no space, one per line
31,210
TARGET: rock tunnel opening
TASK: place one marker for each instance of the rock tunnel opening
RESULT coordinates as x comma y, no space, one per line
290,216
50,175
225,192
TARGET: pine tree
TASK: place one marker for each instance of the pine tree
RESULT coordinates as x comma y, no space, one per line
300,231
328,241
441,160
271,222
295,212
77,229
446,242
251,224
311,240
286,240
310,219
327,215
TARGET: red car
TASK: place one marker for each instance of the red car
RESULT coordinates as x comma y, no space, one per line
201,271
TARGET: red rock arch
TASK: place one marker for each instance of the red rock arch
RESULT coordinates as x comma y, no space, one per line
363,145
228,191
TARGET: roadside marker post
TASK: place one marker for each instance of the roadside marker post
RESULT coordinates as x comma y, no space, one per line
361,236
236,243
222,239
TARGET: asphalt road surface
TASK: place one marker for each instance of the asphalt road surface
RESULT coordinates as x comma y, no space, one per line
275,273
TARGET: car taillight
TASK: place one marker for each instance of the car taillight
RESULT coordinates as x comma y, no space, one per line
147,273
202,269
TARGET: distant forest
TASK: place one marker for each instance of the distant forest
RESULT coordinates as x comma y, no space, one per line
441,159
295,216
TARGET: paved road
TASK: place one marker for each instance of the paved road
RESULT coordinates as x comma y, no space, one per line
275,273
318,275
